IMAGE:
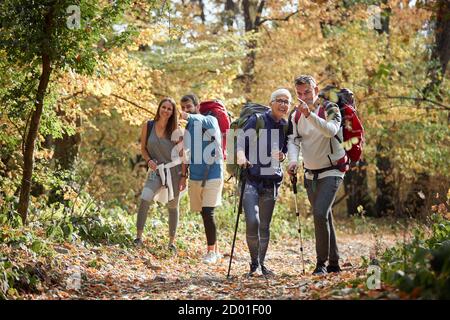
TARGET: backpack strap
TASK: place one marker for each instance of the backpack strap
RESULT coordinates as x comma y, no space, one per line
150,125
286,130
260,123
297,116
323,116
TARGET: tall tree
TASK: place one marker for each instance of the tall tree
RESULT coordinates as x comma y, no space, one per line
440,53
252,11
253,20
52,36
385,201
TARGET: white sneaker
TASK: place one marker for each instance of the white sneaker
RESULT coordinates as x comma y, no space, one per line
210,258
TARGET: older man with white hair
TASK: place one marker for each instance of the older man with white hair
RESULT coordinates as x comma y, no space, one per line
264,175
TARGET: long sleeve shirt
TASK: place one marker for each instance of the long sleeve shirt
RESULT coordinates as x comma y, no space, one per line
313,141
259,147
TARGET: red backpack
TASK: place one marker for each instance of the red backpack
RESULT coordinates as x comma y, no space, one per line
217,109
353,131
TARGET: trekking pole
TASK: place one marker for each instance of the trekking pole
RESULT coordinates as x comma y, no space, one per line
297,213
242,179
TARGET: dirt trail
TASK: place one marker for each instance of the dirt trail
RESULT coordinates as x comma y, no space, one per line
110,272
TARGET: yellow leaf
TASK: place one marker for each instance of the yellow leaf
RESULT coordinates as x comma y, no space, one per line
106,89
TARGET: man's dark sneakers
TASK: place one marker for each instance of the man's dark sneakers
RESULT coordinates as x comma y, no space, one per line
334,269
267,272
138,242
320,271
172,248
253,269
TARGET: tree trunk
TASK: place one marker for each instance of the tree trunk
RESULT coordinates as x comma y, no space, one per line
357,190
202,10
385,18
441,49
416,201
28,156
249,69
66,148
385,182
252,11
229,14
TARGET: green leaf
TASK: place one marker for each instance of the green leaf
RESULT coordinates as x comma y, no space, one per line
37,246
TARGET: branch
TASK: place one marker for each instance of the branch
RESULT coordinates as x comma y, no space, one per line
279,19
72,95
132,103
420,100
114,95
259,11
442,106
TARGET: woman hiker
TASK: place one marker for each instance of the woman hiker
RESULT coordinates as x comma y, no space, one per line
162,150
264,174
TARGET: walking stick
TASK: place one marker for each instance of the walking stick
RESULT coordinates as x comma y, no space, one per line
242,178
297,213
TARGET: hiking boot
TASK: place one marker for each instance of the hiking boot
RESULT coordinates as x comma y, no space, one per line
267,272
319,271
138,242
334,269
210,258
172,248
253,269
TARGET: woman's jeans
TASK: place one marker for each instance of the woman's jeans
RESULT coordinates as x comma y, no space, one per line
258,207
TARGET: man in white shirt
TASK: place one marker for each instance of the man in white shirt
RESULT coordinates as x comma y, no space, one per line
315,140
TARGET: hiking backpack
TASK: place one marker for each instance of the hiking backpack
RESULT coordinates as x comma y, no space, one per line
248,110
217,109
352,129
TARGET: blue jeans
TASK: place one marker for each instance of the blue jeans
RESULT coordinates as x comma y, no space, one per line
258,207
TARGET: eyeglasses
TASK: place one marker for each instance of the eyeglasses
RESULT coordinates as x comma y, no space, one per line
281,101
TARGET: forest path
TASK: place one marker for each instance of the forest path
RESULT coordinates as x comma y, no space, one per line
110,272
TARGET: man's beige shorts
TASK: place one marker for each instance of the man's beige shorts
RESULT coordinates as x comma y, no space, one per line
208,196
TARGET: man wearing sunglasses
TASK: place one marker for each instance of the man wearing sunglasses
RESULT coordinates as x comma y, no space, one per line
313,141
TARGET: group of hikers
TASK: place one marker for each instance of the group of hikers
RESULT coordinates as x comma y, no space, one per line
311,132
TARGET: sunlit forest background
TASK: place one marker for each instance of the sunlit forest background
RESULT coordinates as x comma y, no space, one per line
78,78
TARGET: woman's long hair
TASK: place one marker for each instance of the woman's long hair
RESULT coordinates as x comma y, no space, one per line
172,123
